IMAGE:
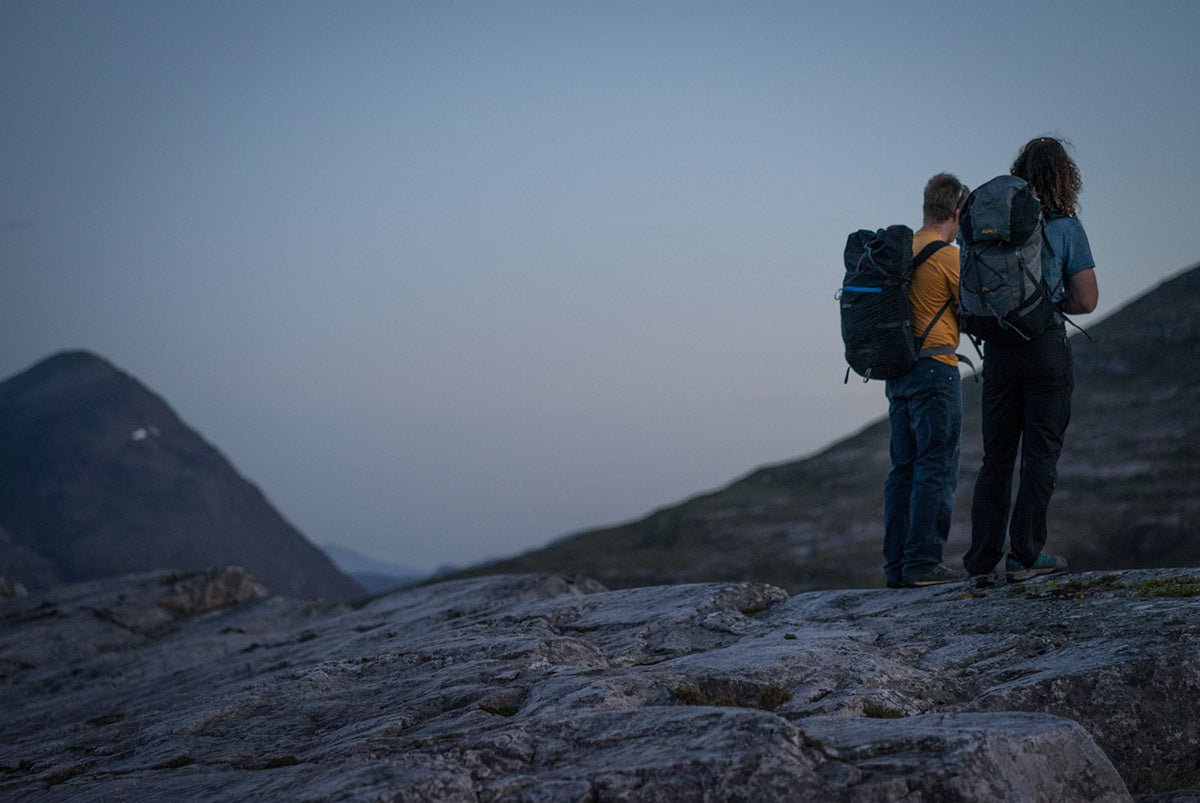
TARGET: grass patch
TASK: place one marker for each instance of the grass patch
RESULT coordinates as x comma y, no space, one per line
1076,589
175,763
690,695
816,744
64,775
281,761
876,711
1186,586
1169,587
772,697
767,699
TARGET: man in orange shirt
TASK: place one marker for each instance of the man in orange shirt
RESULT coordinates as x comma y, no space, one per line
925,407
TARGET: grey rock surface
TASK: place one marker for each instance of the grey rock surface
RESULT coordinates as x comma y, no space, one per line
549,688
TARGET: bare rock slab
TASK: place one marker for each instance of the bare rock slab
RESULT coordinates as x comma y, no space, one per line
548,688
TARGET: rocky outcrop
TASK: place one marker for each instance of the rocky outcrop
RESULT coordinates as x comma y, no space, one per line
547,688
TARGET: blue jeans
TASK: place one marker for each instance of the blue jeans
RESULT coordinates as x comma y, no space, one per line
925,412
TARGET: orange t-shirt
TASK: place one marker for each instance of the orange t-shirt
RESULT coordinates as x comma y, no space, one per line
935,280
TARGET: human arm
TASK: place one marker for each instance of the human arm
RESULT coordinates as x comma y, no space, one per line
1082,292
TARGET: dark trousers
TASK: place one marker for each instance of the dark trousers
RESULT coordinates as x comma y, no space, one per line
1027,404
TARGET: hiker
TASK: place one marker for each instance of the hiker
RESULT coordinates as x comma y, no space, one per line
925,406
1027,385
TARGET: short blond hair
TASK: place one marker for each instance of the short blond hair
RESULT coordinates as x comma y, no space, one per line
944,195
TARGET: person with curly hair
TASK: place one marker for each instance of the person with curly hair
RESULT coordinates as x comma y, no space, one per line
1027,386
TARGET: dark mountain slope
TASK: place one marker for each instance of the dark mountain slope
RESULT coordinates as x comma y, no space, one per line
1128,492
99,477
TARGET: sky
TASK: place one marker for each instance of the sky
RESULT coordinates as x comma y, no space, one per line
448,280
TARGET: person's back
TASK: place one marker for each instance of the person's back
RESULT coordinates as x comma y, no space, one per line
1027,387
934,286
925,407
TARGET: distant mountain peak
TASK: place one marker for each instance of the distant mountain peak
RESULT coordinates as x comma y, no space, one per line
99,476
62,373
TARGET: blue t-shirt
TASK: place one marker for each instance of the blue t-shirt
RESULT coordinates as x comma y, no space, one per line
1071,254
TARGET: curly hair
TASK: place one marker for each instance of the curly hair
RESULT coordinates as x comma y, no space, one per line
1052,174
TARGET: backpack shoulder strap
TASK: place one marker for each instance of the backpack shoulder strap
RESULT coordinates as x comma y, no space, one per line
924,254
933,351
928,251
929,328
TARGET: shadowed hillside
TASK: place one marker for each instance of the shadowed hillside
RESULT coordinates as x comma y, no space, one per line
99,477
1127,493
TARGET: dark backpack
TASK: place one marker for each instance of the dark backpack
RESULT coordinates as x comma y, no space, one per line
877,316
1002,294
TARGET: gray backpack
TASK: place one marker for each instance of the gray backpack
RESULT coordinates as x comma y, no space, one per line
1002,295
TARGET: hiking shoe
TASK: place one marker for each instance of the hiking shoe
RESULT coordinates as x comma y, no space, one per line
1045,564
931,576
982,580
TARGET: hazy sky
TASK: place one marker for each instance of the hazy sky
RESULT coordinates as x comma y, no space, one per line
450,279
